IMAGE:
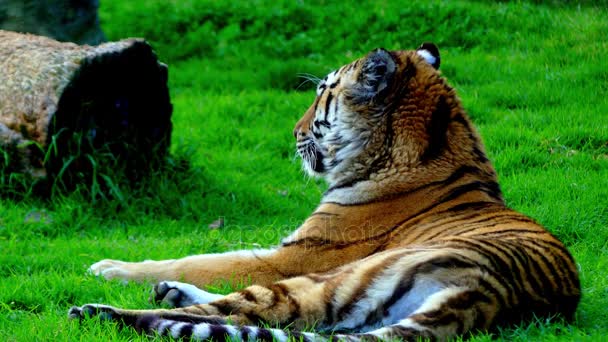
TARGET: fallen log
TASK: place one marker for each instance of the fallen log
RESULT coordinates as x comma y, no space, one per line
62,105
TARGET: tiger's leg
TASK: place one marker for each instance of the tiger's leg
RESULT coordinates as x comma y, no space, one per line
385,289
199,270
447,313
236,315
262,267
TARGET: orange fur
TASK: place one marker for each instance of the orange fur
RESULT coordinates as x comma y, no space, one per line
411,240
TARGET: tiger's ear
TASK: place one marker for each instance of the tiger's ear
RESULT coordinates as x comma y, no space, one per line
430,53
376,73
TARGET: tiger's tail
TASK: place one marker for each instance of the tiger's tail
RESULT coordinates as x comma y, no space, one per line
154,325
405,330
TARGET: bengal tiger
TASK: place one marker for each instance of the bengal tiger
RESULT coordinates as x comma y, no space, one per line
411,240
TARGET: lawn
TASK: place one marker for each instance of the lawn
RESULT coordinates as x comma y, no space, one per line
533,77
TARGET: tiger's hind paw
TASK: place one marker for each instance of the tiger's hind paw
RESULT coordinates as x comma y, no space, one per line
104,312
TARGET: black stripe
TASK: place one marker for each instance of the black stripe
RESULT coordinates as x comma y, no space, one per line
186,331
264,335
533,270
433,322
217,332
281,292
508,263
278,291
484,284
502,269
472,225
490,188
467,299
459,207
245,332
327,103
281,295
541,258
437,130
333,85
523,260
559,246
570,267
571,277
224,307
479,154
457,174
481,319
361,289
404,286
250,297
142,324
336,110
494,189
459,117
448,261
467,221
512,232
323,123
330,317
455,209
516,270
471,206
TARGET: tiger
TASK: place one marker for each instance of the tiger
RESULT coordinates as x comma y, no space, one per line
412,239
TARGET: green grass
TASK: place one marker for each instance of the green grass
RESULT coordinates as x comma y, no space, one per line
533,78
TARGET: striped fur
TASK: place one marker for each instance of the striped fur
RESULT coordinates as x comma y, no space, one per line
412,239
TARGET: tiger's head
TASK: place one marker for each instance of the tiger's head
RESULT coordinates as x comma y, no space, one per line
387,118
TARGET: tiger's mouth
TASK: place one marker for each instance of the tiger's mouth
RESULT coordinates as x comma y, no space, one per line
312,157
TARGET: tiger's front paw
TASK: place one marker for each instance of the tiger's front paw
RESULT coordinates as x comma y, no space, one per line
110,269
104,312
178,295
